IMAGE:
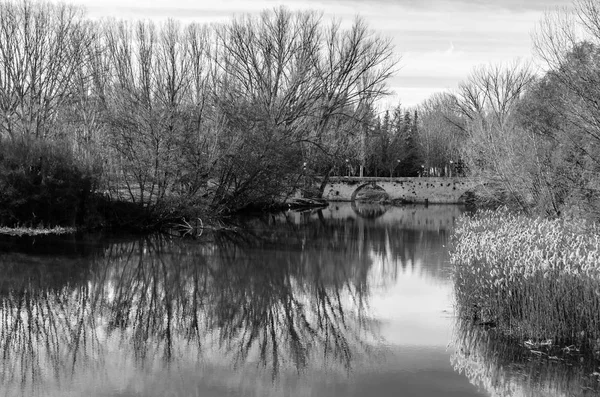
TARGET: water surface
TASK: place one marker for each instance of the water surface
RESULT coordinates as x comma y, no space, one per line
347,301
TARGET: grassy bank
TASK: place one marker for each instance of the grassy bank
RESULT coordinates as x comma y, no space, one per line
532,278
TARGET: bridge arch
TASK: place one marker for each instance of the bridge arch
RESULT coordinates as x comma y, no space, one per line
372,185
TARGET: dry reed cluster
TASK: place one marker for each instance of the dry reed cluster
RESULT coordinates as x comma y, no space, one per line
531,277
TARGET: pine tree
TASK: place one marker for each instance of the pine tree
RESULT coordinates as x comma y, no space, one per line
410,164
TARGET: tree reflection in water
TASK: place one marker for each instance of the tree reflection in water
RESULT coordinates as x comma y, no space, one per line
45,326
280,300
278,297
290,295
506,368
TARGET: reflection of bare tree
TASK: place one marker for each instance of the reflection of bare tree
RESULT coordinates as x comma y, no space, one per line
289,304
151,294
45,333
507,368
399,246
45,326
288,295
284,300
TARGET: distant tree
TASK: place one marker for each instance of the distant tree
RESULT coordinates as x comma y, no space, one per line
495,145
490,93
372,130
385,139
441,133
408,152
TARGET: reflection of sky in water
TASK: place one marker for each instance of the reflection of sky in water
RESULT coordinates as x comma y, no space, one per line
414,309
399,256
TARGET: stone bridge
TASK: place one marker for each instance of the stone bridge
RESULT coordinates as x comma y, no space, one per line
413,190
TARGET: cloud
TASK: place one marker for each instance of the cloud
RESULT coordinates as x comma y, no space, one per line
410,97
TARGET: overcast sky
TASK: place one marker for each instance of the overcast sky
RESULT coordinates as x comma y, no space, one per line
439,41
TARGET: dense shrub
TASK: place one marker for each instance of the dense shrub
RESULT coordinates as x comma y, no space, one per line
41,184
533,278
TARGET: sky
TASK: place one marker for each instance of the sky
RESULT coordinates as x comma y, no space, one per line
438,41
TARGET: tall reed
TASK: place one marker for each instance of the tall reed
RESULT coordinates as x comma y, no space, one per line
532,277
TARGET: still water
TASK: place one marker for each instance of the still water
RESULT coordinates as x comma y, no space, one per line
347,301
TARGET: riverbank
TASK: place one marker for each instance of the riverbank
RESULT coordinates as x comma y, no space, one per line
531,278
31,231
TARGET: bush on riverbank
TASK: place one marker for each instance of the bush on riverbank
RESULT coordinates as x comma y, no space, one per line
46,189
42,184
533,278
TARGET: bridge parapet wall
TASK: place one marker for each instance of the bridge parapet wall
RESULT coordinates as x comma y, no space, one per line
413,190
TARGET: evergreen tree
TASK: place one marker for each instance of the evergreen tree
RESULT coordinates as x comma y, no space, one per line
410,163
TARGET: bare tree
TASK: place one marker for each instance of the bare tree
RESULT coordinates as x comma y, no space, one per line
293,85
42,48
229,114
441,132
567,41
154,103
491,92
496,148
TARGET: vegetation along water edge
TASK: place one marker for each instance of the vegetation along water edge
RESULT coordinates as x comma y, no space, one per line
534,280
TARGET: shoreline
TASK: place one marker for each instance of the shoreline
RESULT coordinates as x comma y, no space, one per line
30,231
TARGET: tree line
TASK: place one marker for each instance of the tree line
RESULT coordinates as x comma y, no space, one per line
175,118
533,133
138,121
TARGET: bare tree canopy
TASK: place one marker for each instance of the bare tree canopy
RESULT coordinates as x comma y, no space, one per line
492,91
298,72
42,48
179,116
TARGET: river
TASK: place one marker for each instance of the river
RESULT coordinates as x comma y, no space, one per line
353,300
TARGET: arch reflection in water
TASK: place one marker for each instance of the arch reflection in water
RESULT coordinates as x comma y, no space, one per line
504,367
369,210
